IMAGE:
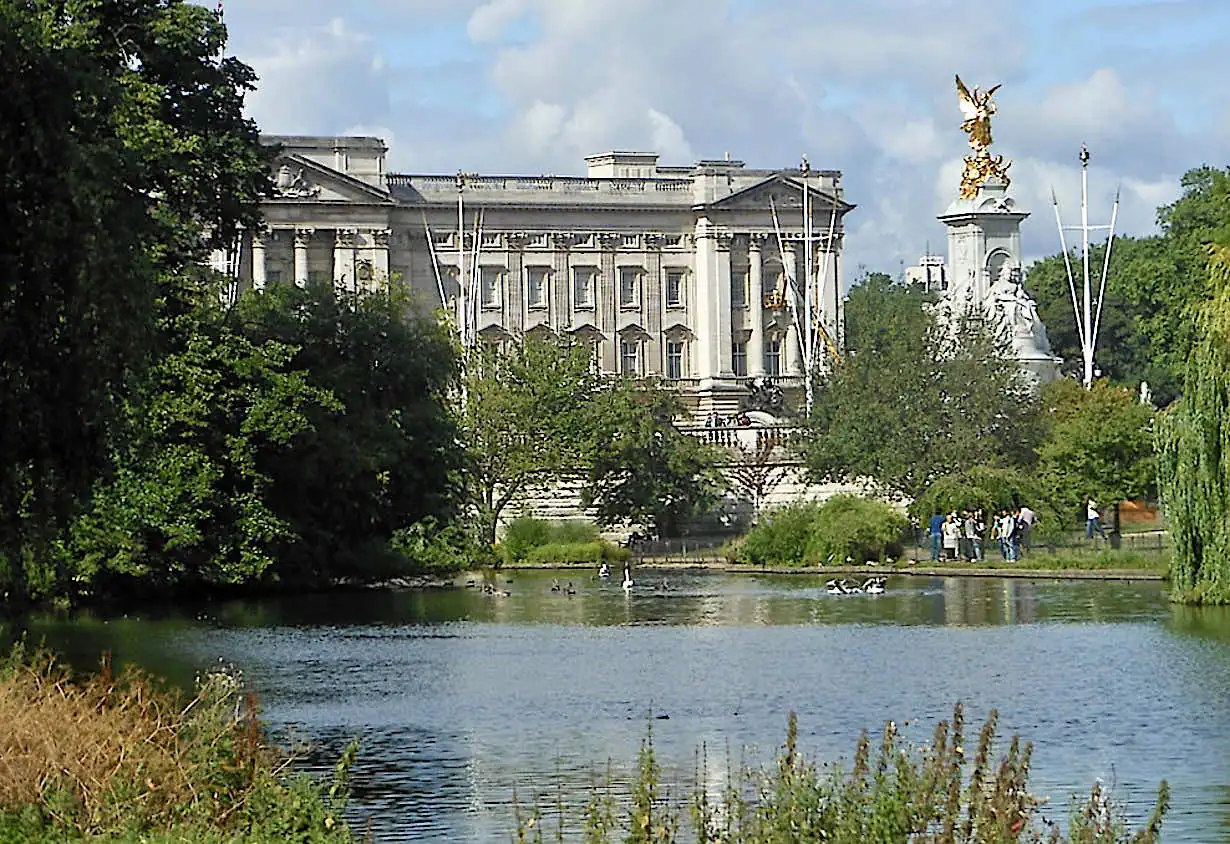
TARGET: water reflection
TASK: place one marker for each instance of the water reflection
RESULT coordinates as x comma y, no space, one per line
460,698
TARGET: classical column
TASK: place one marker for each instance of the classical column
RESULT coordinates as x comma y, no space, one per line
302,238
258,260
708,359
755,343
793,352
381,240
723,334
344,270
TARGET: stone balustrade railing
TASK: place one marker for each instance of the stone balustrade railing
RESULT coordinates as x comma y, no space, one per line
560,184
749,440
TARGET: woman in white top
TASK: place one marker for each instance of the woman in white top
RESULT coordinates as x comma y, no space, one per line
952,536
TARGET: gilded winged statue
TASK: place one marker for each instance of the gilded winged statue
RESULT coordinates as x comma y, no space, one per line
977,108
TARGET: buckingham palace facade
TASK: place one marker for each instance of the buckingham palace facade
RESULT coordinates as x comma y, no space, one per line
673,272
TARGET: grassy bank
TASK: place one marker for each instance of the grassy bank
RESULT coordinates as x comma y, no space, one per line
893,793
122,758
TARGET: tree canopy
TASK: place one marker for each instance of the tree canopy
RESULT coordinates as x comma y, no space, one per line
911,400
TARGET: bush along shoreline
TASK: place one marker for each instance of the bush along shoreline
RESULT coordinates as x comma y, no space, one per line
124,758
893,793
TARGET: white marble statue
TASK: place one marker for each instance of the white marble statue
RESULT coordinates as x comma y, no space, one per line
1018,311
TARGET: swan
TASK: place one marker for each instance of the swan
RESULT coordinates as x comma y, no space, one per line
555,587
832,588
874,586
849,588
604,571
627,584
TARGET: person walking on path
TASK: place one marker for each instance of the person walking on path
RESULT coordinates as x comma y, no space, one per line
1093,520
1027,521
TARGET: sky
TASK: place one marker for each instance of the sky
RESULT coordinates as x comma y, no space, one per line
861,86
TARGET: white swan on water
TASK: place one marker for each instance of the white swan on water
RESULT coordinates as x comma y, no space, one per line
627,584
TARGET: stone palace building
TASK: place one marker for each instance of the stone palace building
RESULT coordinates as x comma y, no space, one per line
678,272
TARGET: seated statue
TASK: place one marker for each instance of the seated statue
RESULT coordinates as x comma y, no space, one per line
1018,310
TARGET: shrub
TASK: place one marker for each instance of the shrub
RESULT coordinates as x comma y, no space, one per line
122,758
893,793
782,536
427,547
568,553
849,528
845,527
524,535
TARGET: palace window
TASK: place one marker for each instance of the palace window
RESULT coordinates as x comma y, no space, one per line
536,286
674,360
318,277
674,288
773,356
629,357
273,276
738,357
583,279
738,289
629,287
489,284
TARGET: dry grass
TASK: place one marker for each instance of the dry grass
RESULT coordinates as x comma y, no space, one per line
108,754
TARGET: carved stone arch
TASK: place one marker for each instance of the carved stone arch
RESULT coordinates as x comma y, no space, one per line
494,335
587,333
679,333
542,331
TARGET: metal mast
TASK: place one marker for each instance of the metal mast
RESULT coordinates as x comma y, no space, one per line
809,333
1087,322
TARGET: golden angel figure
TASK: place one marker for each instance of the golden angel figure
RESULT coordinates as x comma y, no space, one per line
977,108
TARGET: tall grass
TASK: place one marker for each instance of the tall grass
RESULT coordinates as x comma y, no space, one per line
122,758
936,794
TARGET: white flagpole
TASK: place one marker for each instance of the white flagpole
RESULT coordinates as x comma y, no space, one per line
1067,262
809,352
1085,309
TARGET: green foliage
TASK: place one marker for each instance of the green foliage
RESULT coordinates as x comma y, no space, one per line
539,542
1100,446
1193,440
121,758
189,501
522,417
384,454
127,155
892,793
431,547
641,468
845,527
911,400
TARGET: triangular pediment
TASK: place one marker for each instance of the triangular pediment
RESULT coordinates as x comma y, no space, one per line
781,192
299,179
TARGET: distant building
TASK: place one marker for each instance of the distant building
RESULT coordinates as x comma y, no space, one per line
931,274
674,272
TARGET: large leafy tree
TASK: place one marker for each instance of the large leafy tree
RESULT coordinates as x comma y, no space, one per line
127,155
640,468
190,501
912,401
523,417
1194,454
384,454
1099,445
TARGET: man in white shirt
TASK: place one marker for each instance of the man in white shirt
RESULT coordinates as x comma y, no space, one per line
1093,520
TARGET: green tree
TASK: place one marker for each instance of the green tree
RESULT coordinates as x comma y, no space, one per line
384,454
912,401
523,418
1099,445
188,504
1194,454
639,467
126,156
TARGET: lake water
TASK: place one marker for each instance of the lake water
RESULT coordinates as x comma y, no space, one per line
461,699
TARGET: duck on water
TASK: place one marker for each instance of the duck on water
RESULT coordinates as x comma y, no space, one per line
871,586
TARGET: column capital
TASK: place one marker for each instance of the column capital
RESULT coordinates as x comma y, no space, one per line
303,236
725,240
756,240
345,237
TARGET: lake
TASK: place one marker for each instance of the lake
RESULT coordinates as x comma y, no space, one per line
460,699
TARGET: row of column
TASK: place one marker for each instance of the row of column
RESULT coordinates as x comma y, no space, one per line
346,243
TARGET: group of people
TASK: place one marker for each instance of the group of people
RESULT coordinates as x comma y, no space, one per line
961,536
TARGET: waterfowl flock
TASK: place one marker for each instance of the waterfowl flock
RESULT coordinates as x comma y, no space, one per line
871,586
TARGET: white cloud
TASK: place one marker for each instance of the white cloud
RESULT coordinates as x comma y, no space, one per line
865,87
